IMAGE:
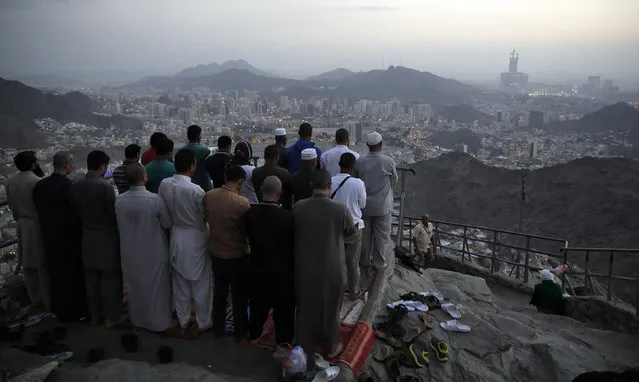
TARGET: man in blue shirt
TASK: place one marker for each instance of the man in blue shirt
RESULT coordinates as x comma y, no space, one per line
294,152
201,177
160,168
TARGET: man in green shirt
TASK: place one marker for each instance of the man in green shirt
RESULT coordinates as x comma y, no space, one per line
161,167
201,177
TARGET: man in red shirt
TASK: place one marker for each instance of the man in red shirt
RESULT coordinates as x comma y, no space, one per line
149,155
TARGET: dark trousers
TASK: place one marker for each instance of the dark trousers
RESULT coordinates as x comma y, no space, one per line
104,293
273,290
230,273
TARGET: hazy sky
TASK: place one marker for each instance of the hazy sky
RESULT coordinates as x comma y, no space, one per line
300,37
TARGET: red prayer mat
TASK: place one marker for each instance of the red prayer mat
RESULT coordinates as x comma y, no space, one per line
358,340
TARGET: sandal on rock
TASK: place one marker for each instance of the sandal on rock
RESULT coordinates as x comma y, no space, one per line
414,332
392,367
432,302
454,326
452,310
440,348
428,320
383,353
410,357
326,375
392,341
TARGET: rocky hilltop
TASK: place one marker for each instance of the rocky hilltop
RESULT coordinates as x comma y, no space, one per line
509,341
589,202
21,104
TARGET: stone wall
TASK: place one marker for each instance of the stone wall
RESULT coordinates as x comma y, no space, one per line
599,311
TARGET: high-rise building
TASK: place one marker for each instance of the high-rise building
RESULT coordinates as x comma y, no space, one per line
512,80
533,150
284,102
535,119
594,83
354,131
514,60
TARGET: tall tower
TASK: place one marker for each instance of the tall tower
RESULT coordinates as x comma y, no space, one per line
514,59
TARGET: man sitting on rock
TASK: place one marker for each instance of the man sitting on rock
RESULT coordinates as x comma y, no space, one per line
548,297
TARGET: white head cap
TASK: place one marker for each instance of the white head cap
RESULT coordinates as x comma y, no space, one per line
546,274
373,138
280,132
309,154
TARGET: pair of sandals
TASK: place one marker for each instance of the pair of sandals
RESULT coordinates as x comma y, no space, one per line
430,301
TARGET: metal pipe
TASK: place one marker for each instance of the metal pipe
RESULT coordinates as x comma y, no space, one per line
610,265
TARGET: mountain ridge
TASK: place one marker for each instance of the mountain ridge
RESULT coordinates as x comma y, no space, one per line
585,201
395,82
214,68
21,104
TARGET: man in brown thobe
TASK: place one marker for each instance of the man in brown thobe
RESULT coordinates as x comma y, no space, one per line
320,227
19,189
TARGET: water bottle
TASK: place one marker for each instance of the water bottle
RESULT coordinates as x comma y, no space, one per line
300,359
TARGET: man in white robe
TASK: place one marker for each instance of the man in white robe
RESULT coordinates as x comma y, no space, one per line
192,272
143,221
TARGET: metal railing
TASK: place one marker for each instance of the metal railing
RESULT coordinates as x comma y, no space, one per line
521,251
589,277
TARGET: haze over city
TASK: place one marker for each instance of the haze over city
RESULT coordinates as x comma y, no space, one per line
462,39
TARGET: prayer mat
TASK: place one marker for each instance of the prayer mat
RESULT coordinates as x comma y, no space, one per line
358,340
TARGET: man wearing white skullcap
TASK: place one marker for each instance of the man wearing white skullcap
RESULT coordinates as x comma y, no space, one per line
379,175
548,296
301,181
280,142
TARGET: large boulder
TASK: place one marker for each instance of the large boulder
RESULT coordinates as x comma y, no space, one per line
509,340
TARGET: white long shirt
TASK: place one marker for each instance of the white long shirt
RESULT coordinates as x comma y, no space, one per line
329,160
189,232
352,194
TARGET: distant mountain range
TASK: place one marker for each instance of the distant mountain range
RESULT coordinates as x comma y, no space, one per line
21,104
395,82
589,202
334,75
214,68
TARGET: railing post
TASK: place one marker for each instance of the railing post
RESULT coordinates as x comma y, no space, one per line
586,272
255,159
493,260
612,256
563,276
464,243
402,199
527,259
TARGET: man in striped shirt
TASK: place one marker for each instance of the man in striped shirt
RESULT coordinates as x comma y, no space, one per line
131,155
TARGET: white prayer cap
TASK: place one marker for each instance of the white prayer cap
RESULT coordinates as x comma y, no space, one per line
309,154
280,132
546,274
373,138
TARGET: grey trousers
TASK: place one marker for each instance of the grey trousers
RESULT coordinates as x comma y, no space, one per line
37,282
375,239
104,293
352,249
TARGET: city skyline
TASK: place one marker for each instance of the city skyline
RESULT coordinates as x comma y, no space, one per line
555,39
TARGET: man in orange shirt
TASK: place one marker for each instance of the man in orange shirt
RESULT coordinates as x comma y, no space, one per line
229,249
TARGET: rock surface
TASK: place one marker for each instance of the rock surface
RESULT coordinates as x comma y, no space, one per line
509,340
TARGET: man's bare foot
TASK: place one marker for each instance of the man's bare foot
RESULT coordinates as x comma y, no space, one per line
111,324
355,295
338,350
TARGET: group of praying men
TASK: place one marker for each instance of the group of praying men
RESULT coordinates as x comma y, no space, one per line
183,229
